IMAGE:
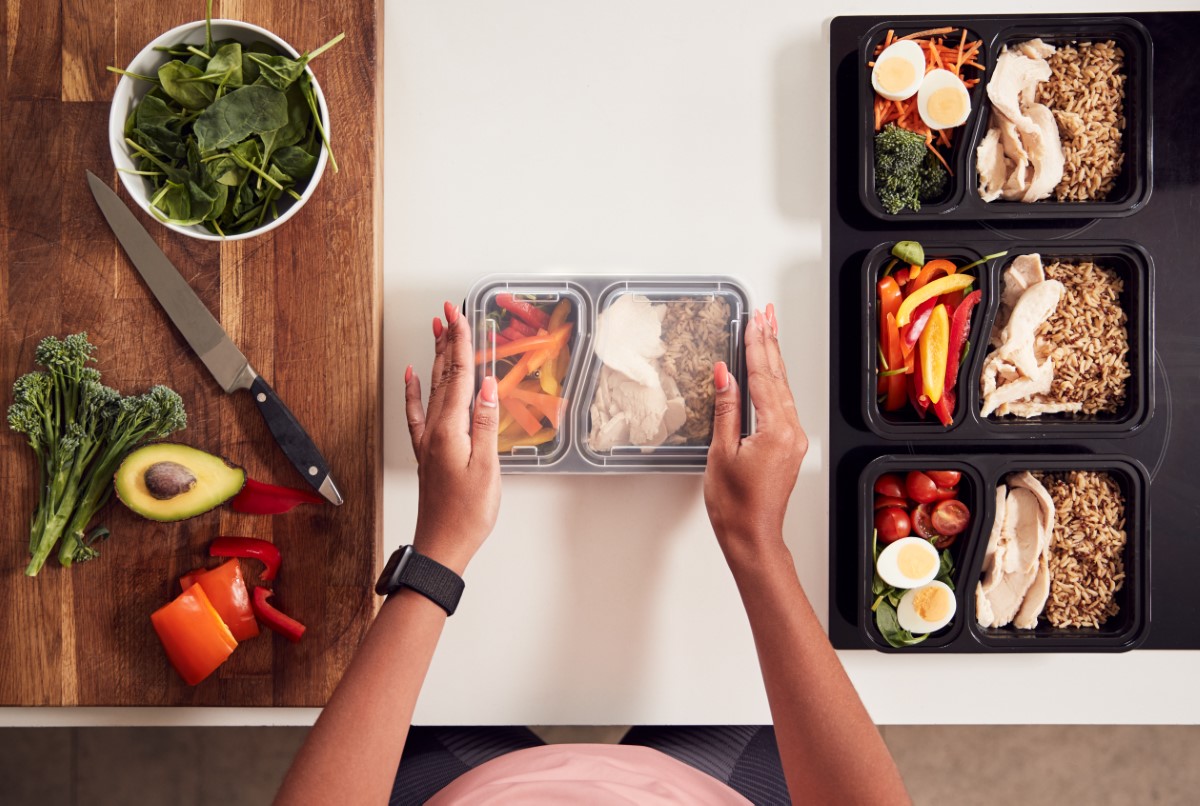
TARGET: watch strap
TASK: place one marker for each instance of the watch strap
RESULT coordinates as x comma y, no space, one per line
428,577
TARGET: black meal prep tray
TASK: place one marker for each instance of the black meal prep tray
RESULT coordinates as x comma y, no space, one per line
1151,240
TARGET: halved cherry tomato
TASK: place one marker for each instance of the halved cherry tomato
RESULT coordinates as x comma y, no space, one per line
944,478
920,487
885,501
950,517
892,524
943,541
922,525
890,484
946,493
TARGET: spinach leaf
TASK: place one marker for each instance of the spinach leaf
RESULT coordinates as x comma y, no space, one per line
188,94
279,72
889,627
242,113
295,162
225,68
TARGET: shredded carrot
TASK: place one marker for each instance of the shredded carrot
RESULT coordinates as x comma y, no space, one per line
887,41
961,42
930,32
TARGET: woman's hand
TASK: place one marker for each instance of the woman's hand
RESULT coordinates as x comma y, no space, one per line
748,481
457,466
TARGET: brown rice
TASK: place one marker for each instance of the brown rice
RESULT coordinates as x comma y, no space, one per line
1088,338
1087,549
1086,92
696,333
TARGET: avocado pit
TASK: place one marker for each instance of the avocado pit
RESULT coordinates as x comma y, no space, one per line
166,480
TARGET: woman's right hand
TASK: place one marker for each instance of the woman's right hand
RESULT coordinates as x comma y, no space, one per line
748,481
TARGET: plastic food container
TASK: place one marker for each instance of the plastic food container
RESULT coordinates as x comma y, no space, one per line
981,475
636,392
962,201
1130,261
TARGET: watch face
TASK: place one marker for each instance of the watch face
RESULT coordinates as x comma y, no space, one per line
391,570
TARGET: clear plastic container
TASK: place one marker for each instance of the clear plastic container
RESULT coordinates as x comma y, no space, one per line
636,392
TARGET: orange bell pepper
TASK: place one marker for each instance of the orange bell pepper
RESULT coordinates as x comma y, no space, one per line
890,298
195,638
896,397
521,414
930,272
550,406
935,351
226,590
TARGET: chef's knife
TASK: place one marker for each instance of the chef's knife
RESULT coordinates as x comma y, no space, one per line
206,337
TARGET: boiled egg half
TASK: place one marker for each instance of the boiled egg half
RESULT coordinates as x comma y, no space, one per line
927,608
943,101
910,562
898,70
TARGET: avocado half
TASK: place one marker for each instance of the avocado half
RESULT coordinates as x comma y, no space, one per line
167,481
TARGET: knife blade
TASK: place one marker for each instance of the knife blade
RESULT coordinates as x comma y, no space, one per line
209,341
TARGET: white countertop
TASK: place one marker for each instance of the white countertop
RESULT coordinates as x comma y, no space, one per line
630,137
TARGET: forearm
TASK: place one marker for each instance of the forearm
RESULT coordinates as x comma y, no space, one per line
831,751
353,751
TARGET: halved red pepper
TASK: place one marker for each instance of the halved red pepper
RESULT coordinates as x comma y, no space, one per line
281,623
195,638
960,328
531,314
249,548
260,498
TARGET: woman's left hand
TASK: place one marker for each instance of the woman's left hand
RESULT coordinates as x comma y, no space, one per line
457,466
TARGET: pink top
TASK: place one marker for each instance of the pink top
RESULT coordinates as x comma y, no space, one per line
585,773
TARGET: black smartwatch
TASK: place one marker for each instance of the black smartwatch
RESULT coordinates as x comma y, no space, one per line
408,569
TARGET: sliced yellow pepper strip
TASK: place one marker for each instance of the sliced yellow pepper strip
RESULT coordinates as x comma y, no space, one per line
942,285
935,350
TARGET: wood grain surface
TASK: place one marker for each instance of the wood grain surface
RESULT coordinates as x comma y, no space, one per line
302,302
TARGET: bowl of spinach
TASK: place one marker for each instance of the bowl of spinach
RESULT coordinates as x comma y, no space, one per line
219,129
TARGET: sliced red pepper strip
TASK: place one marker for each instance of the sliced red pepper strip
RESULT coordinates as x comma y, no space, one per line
911,332
523,310
281,623
249,548
960,328
916,393
260,498
944,409
518,326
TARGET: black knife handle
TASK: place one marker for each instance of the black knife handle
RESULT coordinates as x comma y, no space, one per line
297,445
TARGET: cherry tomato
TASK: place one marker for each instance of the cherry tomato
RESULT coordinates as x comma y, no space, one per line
922,524
892,524
920,487
885,501
944,478
946,493
890,484
950,517
944,541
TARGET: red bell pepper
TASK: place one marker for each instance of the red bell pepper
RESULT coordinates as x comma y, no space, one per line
281,623
944,408
195,638
530,314
911,332
226,591
916,393
249,548
259,498
960,328
517,326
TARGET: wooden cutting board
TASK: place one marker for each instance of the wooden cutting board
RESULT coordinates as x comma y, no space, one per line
302,302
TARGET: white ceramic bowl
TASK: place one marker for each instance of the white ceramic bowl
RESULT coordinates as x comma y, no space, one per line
130,91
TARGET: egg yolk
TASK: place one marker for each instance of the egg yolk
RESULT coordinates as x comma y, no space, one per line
895,74
931,603
915,563
946,104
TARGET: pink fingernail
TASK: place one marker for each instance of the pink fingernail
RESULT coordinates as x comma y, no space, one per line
771,317
437,328
721,376
487,391
758,319
451,314
408,375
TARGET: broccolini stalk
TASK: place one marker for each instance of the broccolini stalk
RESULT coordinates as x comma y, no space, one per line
79,431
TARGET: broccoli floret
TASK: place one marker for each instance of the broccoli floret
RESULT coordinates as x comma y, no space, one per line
934,178
906,171
79,430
